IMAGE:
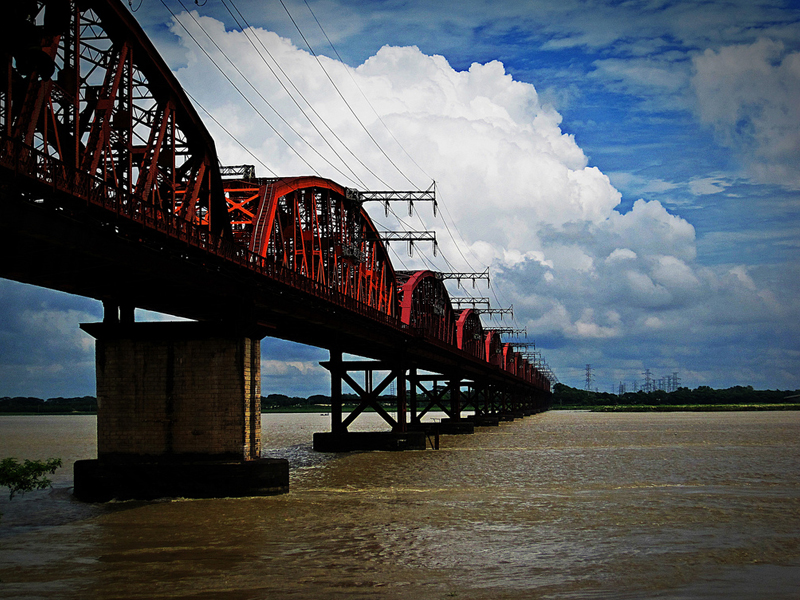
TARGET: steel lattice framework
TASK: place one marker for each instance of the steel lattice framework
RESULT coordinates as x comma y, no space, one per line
469,333
494,347
307,225
425,305
105,118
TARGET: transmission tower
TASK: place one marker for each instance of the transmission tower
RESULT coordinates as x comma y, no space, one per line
676,381
588,378
648,381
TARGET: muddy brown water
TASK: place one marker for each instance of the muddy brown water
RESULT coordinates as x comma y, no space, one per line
560,505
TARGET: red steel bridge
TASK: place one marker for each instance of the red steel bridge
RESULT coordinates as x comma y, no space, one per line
111,188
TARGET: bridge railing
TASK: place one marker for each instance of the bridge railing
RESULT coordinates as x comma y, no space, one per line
51,173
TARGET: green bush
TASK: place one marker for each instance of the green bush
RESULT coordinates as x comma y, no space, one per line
30,475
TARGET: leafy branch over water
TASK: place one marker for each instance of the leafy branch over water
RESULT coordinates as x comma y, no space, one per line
27,476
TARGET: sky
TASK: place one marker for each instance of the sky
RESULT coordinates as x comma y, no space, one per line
629,171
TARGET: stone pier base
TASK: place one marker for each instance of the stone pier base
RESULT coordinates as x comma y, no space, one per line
98,481
178,414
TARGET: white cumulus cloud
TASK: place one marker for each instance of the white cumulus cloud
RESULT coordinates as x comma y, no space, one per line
749,94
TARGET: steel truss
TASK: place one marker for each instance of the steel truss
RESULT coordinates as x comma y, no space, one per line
425,305
94,100
417,394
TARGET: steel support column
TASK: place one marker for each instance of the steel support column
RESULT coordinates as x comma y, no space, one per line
335,369
339,439
402,410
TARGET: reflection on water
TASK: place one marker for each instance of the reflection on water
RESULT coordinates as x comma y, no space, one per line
561,505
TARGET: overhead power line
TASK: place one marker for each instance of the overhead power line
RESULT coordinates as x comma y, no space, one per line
347,104
246,99
247,31
233,137
363,95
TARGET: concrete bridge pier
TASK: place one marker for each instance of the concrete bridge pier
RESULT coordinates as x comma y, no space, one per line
179,413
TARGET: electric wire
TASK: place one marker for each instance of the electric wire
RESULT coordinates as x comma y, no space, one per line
277,64
247,30
363,95
233,137
350,108
246,99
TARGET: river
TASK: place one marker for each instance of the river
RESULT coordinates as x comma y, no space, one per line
572,505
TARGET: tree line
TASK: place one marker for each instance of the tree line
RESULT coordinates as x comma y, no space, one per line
26,404
88,404
563,395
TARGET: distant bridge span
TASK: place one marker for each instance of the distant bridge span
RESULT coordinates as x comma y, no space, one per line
110,188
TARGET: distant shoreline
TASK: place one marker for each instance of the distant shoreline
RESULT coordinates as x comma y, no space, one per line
325,410
700,399
679,407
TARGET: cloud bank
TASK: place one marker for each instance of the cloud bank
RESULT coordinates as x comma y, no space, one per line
749,94
582,275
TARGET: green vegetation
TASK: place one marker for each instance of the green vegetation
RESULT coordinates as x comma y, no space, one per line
88,404
51,406
281,402
30,475
702,398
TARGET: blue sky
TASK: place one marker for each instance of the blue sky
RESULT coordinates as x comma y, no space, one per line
628,170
